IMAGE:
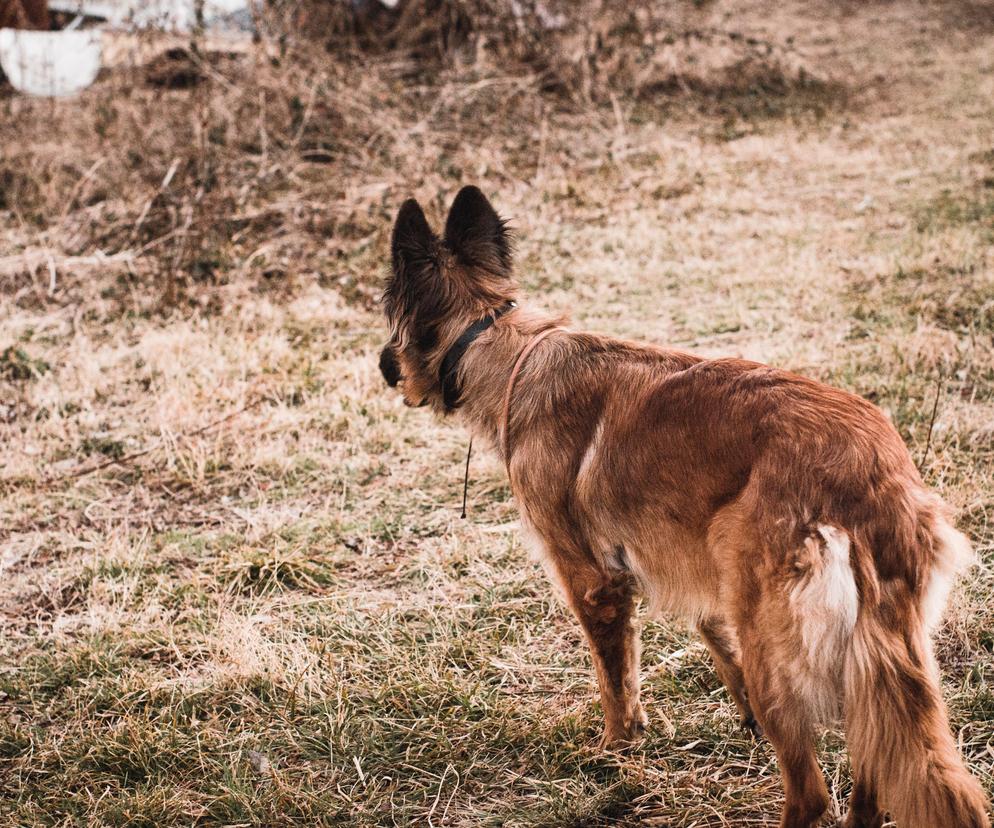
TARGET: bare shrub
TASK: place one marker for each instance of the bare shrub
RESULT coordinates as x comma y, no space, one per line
203,164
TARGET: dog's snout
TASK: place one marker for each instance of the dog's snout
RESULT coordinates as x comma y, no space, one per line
389,367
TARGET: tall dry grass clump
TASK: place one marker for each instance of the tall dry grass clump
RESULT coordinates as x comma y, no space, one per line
195,164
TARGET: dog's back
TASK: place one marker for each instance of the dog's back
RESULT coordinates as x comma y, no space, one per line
790,515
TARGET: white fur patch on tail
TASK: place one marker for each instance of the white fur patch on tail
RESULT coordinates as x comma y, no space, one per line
825,602
954,555
825,596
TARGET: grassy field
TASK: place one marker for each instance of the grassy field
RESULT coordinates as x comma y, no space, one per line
274,615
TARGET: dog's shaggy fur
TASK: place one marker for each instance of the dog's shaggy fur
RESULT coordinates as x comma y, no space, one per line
783,517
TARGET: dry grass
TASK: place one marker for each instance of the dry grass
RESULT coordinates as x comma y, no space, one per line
275,616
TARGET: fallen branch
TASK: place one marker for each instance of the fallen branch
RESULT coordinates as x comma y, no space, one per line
31,260
122,461
931,422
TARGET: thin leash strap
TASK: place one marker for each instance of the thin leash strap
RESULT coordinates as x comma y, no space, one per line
465,480
505,424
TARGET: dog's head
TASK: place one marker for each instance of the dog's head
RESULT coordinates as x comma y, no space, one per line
439,286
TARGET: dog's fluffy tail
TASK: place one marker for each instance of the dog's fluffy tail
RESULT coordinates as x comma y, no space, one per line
896,723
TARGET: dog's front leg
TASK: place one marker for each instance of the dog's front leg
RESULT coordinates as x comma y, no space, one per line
604,603
723,645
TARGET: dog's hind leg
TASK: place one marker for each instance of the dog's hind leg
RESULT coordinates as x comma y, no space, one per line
604,603
864,811
788,722
723,645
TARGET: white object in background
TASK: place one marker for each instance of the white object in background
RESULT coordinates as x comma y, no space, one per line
169,15
50,64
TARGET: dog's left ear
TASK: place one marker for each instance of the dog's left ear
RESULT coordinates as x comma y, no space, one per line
476,234
413,243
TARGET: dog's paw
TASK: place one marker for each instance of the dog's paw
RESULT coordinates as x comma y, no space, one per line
641,720
749,723
613,742
622,738
857,821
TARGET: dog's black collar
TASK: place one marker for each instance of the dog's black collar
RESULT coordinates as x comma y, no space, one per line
450,362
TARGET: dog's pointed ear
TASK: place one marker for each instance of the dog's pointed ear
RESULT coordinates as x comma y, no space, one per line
414,245
476,234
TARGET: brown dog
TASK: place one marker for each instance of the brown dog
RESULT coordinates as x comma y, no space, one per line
783,517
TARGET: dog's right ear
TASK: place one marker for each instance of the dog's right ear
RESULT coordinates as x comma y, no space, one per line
476,234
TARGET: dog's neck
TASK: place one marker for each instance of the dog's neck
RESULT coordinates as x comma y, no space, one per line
449,369
486,370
